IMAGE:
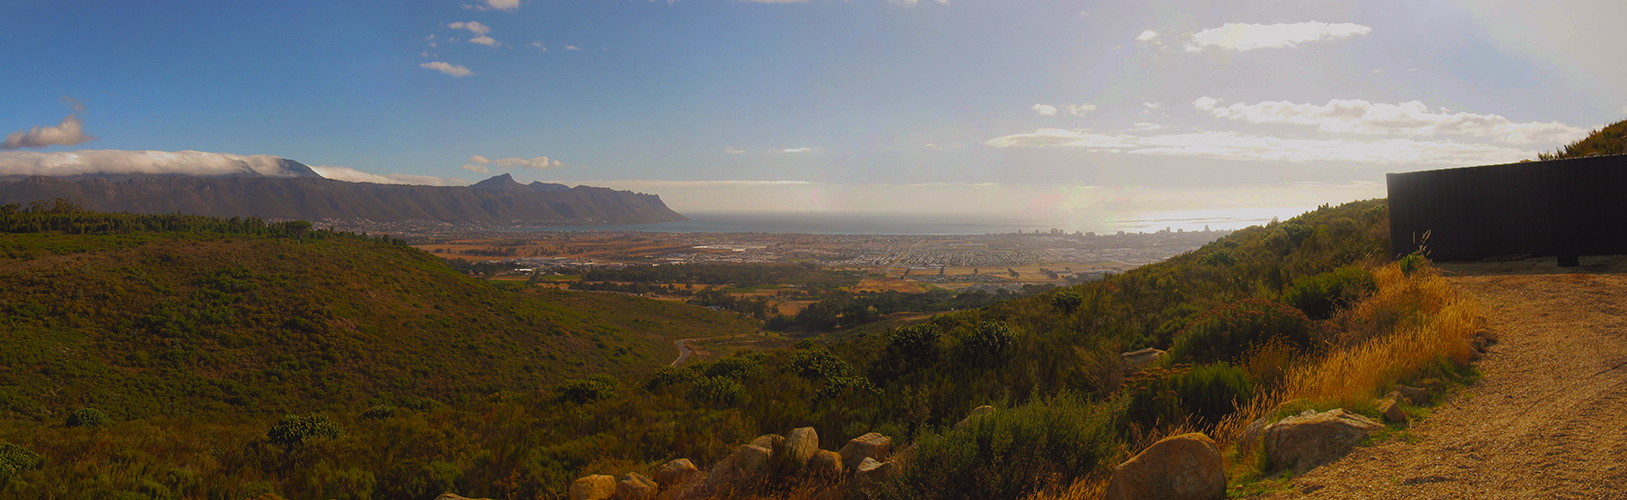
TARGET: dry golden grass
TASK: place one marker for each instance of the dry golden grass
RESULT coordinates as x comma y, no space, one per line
1088,488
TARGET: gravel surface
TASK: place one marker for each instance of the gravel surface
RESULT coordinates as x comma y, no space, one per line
1547,420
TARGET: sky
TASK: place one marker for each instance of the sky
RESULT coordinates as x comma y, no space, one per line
940,106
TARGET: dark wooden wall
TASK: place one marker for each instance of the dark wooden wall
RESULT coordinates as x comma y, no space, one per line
1560,207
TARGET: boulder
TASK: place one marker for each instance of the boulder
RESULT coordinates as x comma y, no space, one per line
1135,361
1308,440
444,496
1412,395
674,472
1181,467
752,459
975,413
595,487
1391,410
801,444
825,463
872,445
766,440
1487,336
871,472
635,486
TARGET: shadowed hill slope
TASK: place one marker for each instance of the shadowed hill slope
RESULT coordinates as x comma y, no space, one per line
245,318
1610,140
499,199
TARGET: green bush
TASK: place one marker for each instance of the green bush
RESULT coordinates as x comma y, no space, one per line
1211,392
1067,301
584,390
1009,453
668,376
15,459
88,417
989,340
818,364
912,347
1219,258
1319,295
380,412
1149,400
736,367
839,387
1226,332
717,391
292,430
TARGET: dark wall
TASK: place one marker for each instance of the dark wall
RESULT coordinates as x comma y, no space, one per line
1561,207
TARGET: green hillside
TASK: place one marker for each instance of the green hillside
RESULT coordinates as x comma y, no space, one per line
210,317
1610,140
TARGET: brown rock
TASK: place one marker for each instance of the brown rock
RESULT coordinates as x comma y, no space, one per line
1413,395
674,472
1490,337
766,440
801,444
595,487
1391,411
1306,441
870,472
1181,467
1135,361
752,459
872,445
635,486
825,463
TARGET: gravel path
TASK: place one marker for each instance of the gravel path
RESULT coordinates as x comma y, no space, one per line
1547,420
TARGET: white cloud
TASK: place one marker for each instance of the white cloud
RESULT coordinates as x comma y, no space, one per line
502,5
353,175
733,150
1235,146
483,165
1044,110
1408,118
1147,126
572,47
1624,110
1240,36
1083,14
69,132
647,184
1079,109
456,70
1154,106
933,147
119,162
485,40
538,44
1146,35
773,1
423,54
795,150
473,27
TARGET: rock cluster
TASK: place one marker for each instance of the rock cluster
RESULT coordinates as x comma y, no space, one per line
1310,439
1184,467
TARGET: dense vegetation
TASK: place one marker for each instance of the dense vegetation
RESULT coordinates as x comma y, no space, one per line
1050,361
1610,140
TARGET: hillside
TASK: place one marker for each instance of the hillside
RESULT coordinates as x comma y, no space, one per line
1610,140
499,199
213,317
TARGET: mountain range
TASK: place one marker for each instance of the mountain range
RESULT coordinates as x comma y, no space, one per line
298,192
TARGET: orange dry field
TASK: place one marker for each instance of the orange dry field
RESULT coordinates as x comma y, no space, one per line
1029,273
887,285
597,248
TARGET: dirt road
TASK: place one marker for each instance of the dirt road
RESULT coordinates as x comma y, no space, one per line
1547,420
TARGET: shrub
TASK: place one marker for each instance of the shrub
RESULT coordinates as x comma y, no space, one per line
913,346
292,430
818,364
1009,453
584,390
1219,258
989,339
88,417
15,459
1211,392
1067,301
719,391
669,376
838,387
1226,332
1319,295
735,367
380,412
1149,400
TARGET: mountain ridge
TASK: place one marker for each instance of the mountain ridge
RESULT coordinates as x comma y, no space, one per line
311,197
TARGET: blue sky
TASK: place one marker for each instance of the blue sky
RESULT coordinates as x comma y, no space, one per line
838,105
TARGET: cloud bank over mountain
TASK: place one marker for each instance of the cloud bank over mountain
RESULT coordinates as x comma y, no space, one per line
118,162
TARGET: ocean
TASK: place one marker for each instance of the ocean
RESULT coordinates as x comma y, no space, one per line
914,223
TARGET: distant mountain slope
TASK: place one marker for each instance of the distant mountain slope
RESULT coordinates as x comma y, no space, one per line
210,317
498,199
